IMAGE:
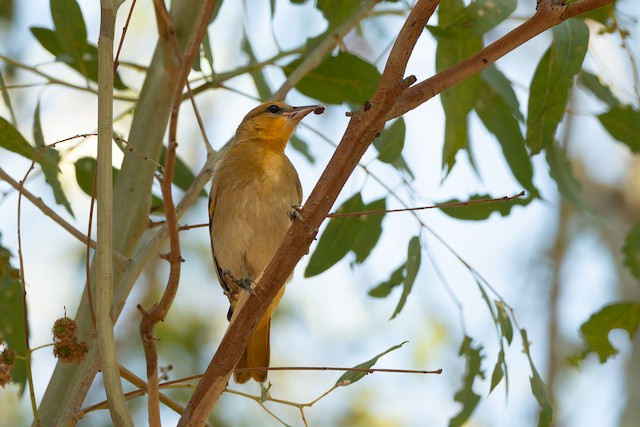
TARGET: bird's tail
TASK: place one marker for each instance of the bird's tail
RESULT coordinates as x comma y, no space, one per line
256,355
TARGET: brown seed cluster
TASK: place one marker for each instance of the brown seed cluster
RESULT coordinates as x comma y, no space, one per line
65,341
6,361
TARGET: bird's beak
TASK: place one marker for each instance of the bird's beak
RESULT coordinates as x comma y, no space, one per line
298,113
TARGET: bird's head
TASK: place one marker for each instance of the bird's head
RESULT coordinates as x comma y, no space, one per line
273,123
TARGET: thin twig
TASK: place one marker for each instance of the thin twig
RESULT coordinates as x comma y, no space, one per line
438,206
47,211
116,61
25,311
54,81
159,311
332,368
153,224
87,258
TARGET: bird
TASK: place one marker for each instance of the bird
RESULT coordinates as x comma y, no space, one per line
253,190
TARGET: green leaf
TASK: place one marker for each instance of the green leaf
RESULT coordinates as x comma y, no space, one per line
6,11
476,19
390,145
465,395
390,142
498,371
482,211
337,11
623,124
631,251
602,14
495,115
338,79
560,171
7,99
601,91
541,394
370,230
595,331
12,319
337,239
89,66
502,86
358,234
70,30
504,321
538,386
50,168
486,299
351,377
459,100
302,147
384,288
85,170
48,40
552,80
412,267
12,140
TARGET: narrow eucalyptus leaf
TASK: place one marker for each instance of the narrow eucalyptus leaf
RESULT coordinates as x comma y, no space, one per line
383,289
337,239
623,124
552,80
338,79
476,19
560,171
370,230
50,168
412,267
351,377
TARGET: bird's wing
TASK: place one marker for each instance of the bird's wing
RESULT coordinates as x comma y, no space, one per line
212,207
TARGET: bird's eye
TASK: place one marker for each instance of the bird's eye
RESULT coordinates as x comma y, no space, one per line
273,108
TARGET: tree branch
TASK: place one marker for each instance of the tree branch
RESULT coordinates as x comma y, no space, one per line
104,192
549,14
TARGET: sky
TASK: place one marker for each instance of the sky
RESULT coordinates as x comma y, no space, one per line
329,320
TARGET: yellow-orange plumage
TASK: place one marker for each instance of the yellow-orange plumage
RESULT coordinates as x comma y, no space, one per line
253,188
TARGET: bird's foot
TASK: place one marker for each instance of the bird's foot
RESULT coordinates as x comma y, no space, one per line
243,283
264,392
295,214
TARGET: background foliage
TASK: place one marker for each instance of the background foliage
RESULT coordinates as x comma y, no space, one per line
552,275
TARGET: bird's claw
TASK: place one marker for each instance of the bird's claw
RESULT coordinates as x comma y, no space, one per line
295,214
243,283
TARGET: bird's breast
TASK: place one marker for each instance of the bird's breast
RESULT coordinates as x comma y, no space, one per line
254,194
